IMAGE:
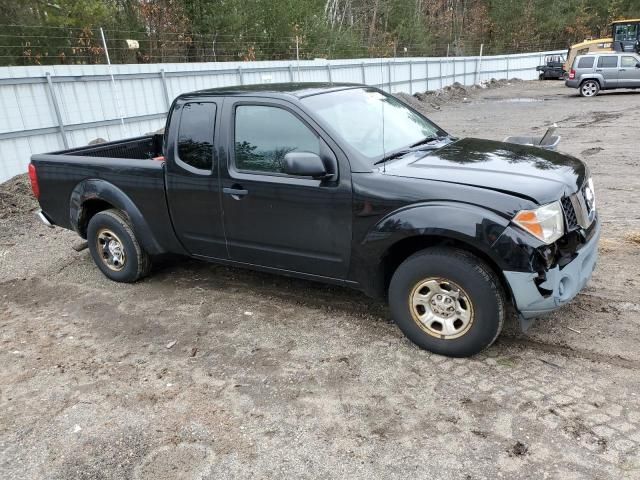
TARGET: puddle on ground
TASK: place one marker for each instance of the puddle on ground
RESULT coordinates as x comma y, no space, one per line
517,100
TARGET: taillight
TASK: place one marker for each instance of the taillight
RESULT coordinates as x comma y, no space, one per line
33,176
572,74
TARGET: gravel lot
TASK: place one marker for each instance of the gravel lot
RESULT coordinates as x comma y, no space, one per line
271,377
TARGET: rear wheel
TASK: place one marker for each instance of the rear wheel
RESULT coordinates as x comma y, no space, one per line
447,301
115,248
589,88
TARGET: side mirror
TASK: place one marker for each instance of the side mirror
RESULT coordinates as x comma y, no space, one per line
304,164
638,65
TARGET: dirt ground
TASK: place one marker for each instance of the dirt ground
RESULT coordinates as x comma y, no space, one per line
270,377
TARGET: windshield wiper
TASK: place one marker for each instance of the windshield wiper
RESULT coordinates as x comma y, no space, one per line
416,147
428,140
391,156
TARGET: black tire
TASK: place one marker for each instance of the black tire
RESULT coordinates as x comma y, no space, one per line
589,88
114,225
477,282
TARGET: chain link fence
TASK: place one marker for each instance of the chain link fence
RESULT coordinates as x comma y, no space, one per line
37,45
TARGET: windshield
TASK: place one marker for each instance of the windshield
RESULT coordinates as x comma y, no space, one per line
361,115
625,32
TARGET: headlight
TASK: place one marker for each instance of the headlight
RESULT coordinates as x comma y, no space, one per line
545,223
590,195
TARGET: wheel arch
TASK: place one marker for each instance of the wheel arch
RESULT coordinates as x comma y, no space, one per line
404,248
88,209
596,79
92,196
416,227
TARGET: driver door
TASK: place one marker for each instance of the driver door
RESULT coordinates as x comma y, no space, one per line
629,73
273,219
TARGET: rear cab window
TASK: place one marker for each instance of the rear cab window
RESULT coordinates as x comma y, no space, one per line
195,137
608,61
586,62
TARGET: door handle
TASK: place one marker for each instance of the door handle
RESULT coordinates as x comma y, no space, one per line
236,191
598,70
622,70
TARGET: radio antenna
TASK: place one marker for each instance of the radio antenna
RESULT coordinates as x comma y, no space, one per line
384,150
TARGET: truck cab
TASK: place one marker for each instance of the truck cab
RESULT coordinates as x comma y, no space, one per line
241,172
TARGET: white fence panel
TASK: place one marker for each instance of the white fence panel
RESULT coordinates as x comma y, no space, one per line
49,108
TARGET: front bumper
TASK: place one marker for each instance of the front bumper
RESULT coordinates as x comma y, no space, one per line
563,283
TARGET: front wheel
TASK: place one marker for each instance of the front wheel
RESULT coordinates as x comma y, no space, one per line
447,301
115,248
589,88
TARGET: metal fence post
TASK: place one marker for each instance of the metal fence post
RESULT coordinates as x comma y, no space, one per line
290,73
410,77
426,70
240,77
56,107
364,76
479,65
454,71
329,73
164,87
389,70
464,70
507,68
440,71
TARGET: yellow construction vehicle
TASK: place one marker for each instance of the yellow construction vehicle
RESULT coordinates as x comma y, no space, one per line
625,37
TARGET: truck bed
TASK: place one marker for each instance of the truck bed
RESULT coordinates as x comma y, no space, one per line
130,165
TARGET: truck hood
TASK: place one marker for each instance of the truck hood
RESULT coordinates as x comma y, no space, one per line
533,173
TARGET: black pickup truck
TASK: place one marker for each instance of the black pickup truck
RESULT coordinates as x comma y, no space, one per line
343,184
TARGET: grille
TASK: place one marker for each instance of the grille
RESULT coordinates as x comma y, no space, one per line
570,213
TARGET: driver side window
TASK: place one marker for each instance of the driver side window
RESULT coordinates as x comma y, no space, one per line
264,135
629,62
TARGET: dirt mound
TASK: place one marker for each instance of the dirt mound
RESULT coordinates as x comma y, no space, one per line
16,198
433,99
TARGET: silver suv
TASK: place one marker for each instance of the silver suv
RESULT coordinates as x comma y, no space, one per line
595,72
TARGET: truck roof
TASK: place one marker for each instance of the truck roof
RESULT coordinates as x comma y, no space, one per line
297,90
633,20
607,54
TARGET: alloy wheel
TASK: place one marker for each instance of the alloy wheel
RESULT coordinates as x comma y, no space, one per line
589,89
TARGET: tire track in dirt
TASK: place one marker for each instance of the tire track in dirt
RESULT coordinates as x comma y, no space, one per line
564,350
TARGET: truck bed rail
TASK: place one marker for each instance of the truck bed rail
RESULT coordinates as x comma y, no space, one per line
146,147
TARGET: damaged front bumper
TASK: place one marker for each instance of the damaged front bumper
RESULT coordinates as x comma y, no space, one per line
563,284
